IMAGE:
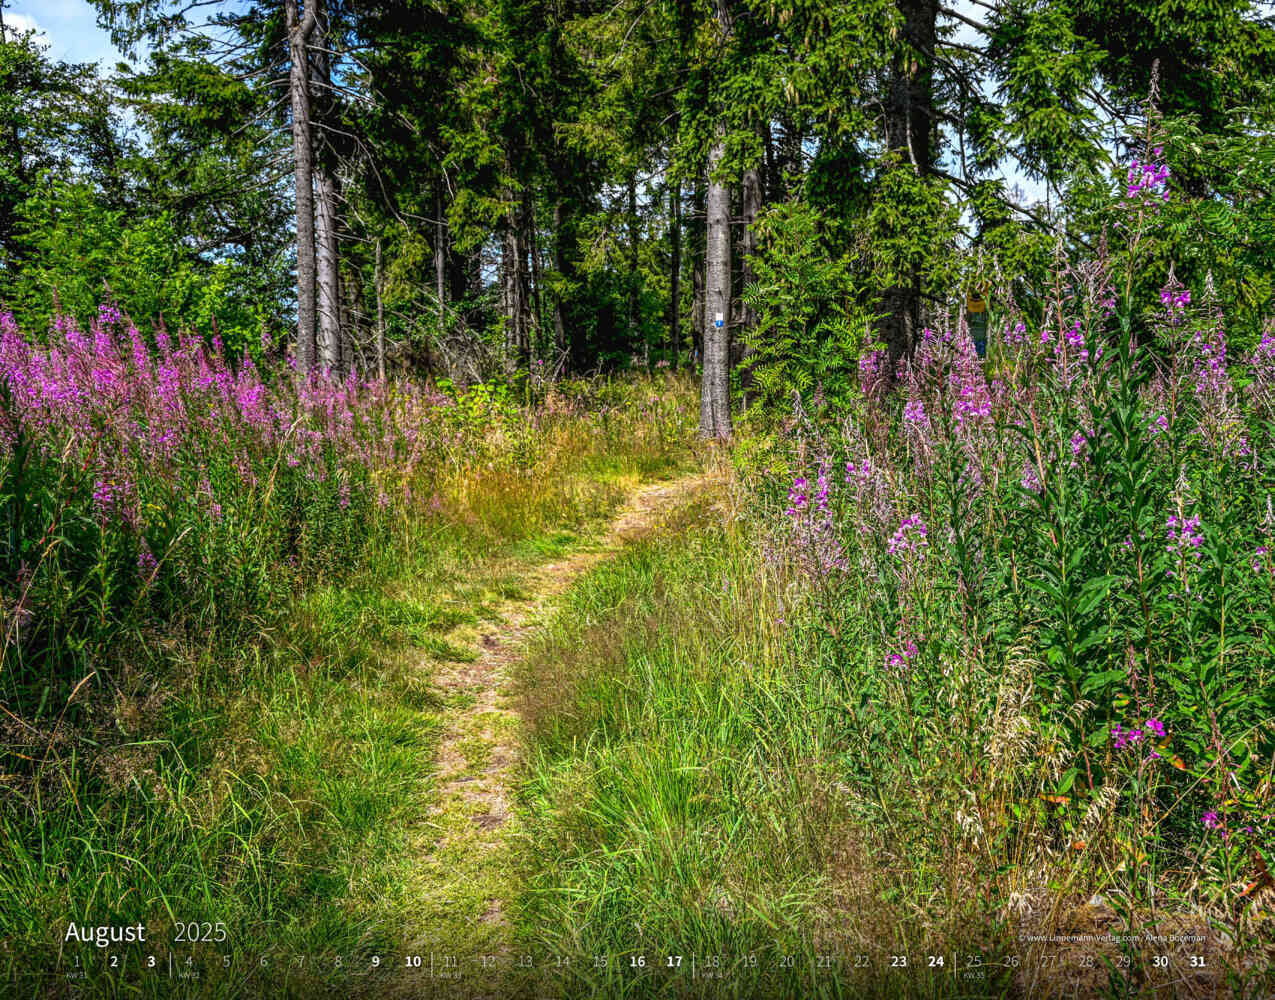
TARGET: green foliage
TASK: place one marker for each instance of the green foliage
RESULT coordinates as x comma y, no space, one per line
910,226
80,252
810,329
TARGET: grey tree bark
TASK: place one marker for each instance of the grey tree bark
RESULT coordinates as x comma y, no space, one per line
378,280
514,292
675,271
909,124
536,279
714,414
560,266
329,280
633,271
326,210
751,199
299,30
440,261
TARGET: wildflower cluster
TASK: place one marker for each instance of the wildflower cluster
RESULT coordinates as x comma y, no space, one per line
1149,180
1122,738
1093,499
911,541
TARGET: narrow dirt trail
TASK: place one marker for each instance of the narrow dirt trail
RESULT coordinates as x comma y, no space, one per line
466,874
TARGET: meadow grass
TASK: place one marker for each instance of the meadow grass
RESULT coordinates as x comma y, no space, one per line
715,771
270,782
685,797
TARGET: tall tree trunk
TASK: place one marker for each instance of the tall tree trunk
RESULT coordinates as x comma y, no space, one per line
699,243
515,297
329,280
522,243
750,208
533,252
560,266
440,261
303,154
633,271
714,414
909,124
675,272
379,281
325,188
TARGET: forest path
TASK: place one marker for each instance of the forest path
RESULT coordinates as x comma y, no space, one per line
462,862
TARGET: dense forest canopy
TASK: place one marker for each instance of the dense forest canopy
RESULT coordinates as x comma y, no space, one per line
763,188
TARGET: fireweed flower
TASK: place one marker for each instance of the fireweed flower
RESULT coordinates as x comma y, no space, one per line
1148,180
1184,537
821,489
1078,443
797,500
1221,425
146,561
911,541
903,657
1122,738
1262,368
873,373
810,540
858,471
156,415
1030,479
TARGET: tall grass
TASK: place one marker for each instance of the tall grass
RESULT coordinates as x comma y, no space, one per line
980,669
688,795
223,593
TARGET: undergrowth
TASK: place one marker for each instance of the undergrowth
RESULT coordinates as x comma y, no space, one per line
249,756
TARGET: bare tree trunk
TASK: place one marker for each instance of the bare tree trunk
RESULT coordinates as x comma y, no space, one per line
697,254
329,280
560,266
908,129
633,272
326,245
440,261
750,209
533,251
714,414
303,153
675,271
380,315
514,285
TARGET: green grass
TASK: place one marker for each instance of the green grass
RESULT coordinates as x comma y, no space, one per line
282,787
683,795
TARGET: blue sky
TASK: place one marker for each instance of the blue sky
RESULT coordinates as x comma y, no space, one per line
68,27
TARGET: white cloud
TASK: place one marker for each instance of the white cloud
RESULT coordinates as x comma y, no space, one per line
22,23
68,27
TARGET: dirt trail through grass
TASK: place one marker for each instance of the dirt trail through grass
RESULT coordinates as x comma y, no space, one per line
465,875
